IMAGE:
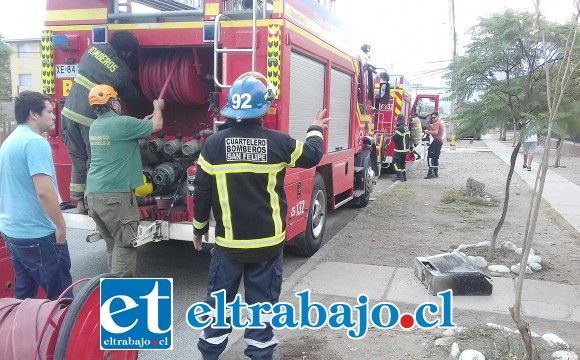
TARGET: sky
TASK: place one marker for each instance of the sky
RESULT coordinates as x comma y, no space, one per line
409,37
413,37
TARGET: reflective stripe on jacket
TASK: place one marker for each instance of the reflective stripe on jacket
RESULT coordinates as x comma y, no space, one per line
240,176
100,64
401,138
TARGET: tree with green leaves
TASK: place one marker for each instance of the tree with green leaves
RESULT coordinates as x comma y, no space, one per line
4,83
503,69
567,123
4,69
559,77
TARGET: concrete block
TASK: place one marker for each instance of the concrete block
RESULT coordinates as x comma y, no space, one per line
546,310
348,280
406,288
575,314
550,292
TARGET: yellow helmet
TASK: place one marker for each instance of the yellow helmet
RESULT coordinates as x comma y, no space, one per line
147,187
101,94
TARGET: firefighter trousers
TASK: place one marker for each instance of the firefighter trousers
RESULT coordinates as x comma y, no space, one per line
399,161
433,154
76,138
262,283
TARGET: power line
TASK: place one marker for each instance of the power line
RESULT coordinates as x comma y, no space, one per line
437,70
429,75
438,61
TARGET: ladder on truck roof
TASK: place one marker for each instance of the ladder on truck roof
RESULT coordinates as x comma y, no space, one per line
182,10
217,50
167,5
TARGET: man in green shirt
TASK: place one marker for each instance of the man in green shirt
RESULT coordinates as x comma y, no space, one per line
115,172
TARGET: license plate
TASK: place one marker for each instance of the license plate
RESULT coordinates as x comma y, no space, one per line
66,71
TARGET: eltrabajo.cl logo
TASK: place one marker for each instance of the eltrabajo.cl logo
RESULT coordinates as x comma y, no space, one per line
136,314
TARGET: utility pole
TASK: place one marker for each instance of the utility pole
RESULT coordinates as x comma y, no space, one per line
454,37
453,32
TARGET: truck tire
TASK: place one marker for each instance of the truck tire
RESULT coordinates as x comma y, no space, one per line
386,167
368,175
377,166
308,243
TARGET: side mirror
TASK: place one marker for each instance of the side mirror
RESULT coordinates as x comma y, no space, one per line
384,93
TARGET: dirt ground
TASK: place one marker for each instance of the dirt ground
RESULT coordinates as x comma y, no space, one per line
410,220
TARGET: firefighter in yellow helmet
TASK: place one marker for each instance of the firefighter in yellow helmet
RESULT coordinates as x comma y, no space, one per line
115,173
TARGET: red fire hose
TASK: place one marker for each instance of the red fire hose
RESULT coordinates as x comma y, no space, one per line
174,76
62,329
162,93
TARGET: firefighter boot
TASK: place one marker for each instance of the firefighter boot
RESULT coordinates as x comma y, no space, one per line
430,174
81,209
404,176
399,177
436,172
277,355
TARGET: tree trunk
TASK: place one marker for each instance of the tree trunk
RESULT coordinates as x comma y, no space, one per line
524,329
504,133
506,200
514,137
559,152
516,310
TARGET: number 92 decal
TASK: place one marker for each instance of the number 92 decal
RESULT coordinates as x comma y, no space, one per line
241,101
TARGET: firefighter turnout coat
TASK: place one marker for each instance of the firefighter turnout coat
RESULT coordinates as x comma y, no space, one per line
240,176
401,138
100,64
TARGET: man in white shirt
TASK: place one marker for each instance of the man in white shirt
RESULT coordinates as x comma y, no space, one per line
529,146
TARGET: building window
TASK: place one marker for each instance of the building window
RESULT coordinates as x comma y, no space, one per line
25,80
24,51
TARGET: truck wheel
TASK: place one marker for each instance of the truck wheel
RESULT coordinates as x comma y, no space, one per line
368,180
308,243
79,335
377,166
385,166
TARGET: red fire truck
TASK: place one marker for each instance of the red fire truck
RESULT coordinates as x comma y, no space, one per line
399,102
299,45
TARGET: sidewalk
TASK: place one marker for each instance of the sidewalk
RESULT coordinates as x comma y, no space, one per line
561,194
331,281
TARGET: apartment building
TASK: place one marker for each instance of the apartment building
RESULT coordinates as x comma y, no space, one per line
25,65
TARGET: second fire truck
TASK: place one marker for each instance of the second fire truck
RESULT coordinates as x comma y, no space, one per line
399,102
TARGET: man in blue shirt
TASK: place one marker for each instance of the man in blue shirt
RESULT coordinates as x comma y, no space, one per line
30,218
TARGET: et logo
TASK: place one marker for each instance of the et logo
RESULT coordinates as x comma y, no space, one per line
136,314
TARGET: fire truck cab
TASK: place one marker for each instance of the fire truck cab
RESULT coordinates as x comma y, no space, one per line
203,46
388,107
